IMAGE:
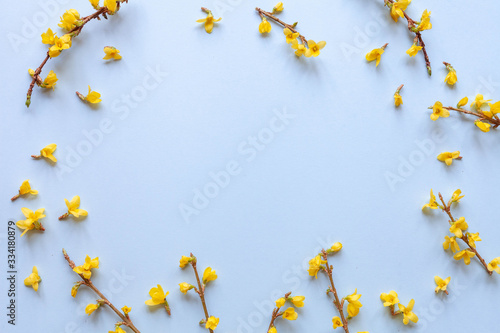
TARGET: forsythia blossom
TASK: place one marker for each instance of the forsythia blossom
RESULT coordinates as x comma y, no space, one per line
397,8
432,202
31,221
408,313
60,44
413,50
376,54
473,238
462,102
111,5
494,265
112,53
25,189
290,314
451,77
91,308
73,207
451,243
466,255
439,111
185,287
390,299
209,275
458,227
315,265
336,322
425,21
441,284
157,296
209,22
456,196
313,48
85,269
279,7
479,101
264,26
33,279
69,20
92,97
184,261
448,157
354,303
212,323
290,35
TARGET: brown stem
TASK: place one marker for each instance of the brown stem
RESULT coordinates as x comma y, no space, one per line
15,197
87,282
336,301
286,25
36,157
201,290
446,292
447,209
493,121
74,32
63,216
418,35
276,313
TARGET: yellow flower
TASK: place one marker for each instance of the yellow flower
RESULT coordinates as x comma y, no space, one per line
465,255
73,207
209,22
398,100
315,265
264,26
47,152
26,188
91,308
479,101
272,330
209,275
375,54
298,301
157,296
31,221
299,48
185,287
441,284
69,19
92,97
473,238
280,302
290,314
413,50
184,261
408,313
354,303
455,197
33,279
94,3
118,329
48,37
279,7
126,309
50,81
60,44
494,109
462,102
448,157
111,5
485,127
290,35
314,49
432,202
74,289
336,322
336,247
451,77
398,7
85,269
390,299
112,53
451,243
439,111
494,265
425,21
212,323
458,227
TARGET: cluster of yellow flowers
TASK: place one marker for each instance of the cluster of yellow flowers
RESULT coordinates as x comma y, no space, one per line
302,46
486,119
391,299
32,221
458,227
289,313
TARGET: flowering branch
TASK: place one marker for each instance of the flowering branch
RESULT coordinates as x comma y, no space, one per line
276,313
285,25
125,318
339,304
447,209
75,31
209,274
413,26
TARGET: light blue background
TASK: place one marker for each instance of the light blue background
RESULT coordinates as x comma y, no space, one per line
321,179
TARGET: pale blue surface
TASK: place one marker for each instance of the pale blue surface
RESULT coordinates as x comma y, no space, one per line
319,180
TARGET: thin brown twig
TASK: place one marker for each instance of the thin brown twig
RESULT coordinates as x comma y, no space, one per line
286,25
494,121
447,209
200,290
336,301
87,282
276,313
418,35
74,32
